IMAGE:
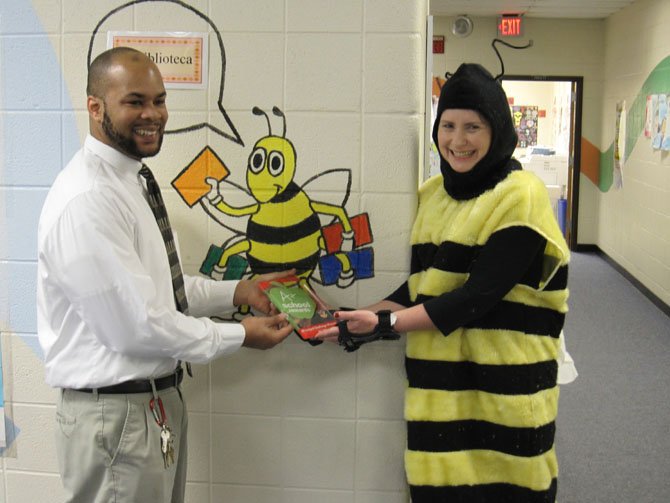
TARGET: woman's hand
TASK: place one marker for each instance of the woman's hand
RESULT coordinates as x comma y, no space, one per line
358,322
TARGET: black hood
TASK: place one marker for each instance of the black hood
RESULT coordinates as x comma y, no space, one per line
472,87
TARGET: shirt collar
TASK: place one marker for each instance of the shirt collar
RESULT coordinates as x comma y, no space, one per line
110,155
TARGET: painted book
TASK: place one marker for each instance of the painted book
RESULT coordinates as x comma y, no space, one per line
306,311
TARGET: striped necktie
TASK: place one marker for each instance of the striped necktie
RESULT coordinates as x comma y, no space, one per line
160,213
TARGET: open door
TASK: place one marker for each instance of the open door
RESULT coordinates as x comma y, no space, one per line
547,112
548,115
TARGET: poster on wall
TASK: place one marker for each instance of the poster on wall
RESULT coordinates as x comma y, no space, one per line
561,111
650,110
660,122
180,56
663,127
653,112
525,123
619,143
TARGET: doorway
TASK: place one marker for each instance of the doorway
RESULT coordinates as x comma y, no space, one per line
548,114
547,111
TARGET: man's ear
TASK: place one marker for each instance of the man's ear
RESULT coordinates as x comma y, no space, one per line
96,108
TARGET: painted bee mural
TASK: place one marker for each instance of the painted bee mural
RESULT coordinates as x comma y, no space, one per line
286,227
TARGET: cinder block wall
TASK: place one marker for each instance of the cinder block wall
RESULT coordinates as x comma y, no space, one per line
615,56
634,226
296,424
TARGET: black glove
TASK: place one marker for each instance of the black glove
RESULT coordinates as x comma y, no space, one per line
383,330
316,342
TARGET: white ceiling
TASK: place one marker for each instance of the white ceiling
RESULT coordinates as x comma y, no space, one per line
598,9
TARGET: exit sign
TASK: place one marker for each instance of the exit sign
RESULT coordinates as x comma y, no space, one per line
510,26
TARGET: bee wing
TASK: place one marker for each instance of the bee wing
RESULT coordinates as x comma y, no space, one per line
331,186
236,195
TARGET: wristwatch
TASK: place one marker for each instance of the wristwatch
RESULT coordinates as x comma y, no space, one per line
386,320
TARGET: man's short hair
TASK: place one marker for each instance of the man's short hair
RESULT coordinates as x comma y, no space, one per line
96,84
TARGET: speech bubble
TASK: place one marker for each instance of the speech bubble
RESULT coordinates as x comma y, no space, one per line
226,129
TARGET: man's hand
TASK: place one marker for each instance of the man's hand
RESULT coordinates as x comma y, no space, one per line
249,293
265,332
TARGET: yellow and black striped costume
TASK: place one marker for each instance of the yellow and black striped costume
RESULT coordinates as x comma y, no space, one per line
482,400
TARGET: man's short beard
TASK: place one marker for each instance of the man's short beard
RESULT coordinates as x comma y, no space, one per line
125,144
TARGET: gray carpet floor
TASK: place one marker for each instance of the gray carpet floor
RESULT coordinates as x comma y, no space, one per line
613,427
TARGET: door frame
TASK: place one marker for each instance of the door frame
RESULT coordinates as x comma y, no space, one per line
575,157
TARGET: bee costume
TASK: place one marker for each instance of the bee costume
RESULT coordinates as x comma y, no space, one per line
489,264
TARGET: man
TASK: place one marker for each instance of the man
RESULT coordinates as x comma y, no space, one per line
108,314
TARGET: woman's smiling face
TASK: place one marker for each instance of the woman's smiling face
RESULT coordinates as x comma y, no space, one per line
464,138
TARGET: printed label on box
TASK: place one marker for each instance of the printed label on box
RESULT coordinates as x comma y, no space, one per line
307,313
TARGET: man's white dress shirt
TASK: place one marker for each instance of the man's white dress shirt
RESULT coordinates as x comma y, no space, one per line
105,304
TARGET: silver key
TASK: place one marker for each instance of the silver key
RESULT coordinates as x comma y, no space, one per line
167,445
170,450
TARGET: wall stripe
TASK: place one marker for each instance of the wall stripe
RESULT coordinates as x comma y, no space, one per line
283,234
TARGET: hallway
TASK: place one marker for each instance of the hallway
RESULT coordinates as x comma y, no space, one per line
613,429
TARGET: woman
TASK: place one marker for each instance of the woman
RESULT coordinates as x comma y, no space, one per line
483,308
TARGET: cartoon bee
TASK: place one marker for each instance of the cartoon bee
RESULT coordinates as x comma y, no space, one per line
284,229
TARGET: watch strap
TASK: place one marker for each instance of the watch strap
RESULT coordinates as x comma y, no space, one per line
384,320
383,330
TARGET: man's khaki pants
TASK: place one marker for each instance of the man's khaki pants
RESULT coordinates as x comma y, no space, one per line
109,447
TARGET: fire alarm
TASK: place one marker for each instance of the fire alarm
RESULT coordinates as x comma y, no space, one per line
462,26
438,44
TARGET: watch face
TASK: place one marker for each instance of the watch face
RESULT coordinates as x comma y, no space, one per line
392,319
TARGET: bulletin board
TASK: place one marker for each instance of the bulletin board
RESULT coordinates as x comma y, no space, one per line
525,122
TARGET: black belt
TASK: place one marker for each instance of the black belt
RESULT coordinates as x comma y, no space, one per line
139,386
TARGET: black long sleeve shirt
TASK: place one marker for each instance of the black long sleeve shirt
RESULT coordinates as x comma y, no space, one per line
509,256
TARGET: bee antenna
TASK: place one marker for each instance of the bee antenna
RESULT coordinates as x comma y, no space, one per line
279,113
258,111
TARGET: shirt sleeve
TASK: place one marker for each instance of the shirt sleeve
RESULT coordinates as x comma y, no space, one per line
91,252
508,256
207,297
401,296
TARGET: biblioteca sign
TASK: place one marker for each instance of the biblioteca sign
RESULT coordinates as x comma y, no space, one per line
181,57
